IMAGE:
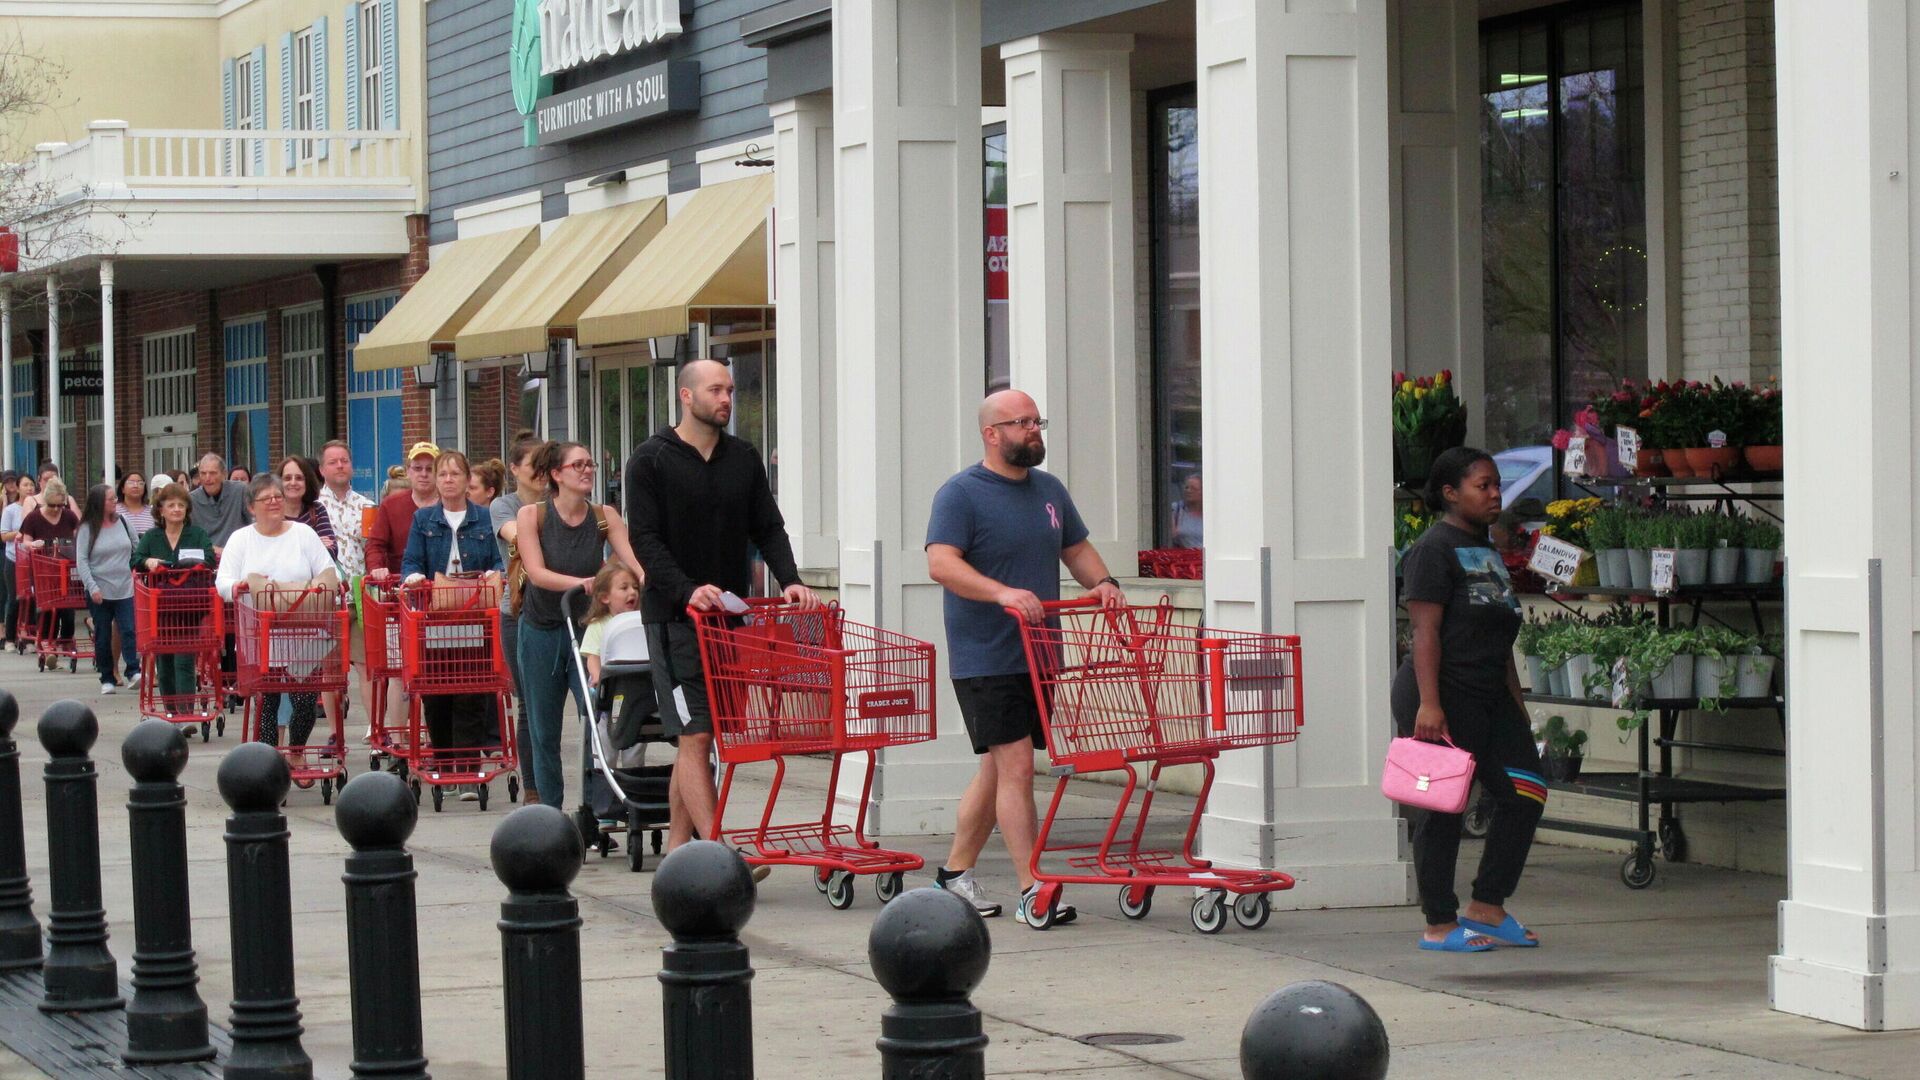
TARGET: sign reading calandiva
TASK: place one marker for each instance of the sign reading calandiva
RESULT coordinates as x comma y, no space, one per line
655,90
575,32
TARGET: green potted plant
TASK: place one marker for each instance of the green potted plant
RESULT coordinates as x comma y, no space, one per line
1641,537
1579,640
1764,423
1607,532
1693,535
1565,748
1529,644
1763,540
1715,670
1754,667
1428,417
1727,550
1718,408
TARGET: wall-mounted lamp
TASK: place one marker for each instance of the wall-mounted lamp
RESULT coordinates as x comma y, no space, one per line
428,374
617,176
753,160
666,350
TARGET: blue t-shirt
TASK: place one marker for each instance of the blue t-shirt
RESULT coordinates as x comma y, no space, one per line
1013,532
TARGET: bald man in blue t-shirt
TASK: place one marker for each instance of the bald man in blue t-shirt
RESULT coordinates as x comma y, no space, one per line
1000,531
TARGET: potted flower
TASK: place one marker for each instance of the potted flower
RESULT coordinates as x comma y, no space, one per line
1763,540
1668,418
1727,550
1565,748
1719,408
1428,417
1601,460
1607,532
1764,423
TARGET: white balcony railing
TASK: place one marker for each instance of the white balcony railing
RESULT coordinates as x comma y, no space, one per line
115,157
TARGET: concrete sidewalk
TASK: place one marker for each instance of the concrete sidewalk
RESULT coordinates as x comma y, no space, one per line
1669,982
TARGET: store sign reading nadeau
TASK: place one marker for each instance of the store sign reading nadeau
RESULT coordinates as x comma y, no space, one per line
551,37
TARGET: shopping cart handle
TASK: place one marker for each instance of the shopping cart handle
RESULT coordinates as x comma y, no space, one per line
1214,651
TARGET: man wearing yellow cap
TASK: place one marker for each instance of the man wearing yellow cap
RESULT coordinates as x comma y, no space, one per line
388,540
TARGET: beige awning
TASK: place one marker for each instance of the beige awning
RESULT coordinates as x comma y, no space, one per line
711,254
462,278
569,270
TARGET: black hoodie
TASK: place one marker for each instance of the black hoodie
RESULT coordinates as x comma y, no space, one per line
695,521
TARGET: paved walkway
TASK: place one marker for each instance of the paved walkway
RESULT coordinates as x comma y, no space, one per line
1669,982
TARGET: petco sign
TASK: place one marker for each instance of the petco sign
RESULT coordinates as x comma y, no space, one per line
575,32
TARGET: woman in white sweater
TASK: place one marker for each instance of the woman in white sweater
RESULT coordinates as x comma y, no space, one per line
103,555
283,551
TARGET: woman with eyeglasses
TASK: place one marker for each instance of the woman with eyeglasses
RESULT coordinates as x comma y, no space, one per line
284,552
103,549
563,542
51,521
453,537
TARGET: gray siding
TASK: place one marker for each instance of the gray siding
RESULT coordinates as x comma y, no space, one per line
475,149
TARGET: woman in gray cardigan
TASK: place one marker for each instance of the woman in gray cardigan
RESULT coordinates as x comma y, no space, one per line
104,558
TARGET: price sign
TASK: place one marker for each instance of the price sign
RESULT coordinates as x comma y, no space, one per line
1628,446
1663,570
1576,463
1622,697
1717,439
1556,559
34,429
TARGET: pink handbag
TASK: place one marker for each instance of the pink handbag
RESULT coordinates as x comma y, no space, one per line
1431,776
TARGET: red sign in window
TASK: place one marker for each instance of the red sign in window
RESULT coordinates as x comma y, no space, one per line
996,252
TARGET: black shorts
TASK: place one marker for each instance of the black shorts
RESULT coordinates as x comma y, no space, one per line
673,652
999,709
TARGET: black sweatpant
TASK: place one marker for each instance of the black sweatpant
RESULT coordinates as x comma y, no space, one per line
458,723
306,709
1507,764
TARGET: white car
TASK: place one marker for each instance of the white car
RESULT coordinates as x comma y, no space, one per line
1526,472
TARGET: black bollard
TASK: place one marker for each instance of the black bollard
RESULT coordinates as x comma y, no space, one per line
376,814
929,949
79,971
703,894
1317,1029
536,853
19,930
166,1020
266,1013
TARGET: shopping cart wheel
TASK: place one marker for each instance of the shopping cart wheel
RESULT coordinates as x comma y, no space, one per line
73,665
439,797
485,790
821,875
326,792
1637,872
659,840
840,890
513,789
1136,907
888,886
415,785
1039,908
220,726
1210,912
206,731
1252,910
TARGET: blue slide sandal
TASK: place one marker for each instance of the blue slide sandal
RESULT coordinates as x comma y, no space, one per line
1457,941
1509,932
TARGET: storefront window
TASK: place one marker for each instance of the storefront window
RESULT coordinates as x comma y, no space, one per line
1175,161
999,320
1563,215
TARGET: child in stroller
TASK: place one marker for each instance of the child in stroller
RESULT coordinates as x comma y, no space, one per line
621,792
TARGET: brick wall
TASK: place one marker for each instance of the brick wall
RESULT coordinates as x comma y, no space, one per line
1729,190
416,408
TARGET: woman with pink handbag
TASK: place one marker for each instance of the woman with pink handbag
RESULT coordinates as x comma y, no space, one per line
1460,688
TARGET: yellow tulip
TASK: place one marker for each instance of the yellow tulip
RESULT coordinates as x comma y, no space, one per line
1407,385
1420,391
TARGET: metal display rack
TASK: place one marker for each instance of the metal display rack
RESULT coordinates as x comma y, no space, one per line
1653,783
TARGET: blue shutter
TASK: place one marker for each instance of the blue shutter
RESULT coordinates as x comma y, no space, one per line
351,33
320,83
259,92
389,67
286,98
226,114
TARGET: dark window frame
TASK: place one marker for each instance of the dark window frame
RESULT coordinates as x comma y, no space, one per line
1158,101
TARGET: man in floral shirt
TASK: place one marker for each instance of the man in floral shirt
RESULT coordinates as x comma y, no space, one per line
344,506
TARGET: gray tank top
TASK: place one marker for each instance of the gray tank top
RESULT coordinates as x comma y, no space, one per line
573,550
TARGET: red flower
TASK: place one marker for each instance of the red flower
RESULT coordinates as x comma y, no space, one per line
1561,439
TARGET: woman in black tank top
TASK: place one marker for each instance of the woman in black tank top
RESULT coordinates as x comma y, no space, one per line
562,543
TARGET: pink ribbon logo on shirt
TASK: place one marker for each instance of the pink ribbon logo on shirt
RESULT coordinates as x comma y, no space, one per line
1053,515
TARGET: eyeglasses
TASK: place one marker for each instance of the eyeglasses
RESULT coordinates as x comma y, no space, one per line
583,466
1029,422
51,505
269,500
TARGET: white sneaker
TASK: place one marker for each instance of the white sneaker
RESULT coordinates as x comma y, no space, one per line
1062,913
966,888
106,688
470,795
133,681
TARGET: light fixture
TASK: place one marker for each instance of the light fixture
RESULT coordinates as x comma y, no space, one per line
617,176
428,374
752,158
536,364
666,350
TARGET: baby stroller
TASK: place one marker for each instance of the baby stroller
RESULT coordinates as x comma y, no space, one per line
620,791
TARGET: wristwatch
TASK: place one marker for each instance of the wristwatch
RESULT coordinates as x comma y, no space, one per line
1107,581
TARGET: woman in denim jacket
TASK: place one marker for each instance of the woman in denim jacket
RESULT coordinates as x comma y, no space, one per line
454,536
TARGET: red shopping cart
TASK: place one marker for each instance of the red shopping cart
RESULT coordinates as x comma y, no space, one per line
1120,686
293,641
1181,563
785,680
450,644
380,663
57,595
180,623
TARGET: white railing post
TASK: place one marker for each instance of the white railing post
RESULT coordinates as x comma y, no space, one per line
107,141
43,159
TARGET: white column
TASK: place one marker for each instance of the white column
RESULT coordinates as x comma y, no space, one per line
1296,354
1850,926
1070,212
1433,85
53,381
106,371
803,228
911,337
6,378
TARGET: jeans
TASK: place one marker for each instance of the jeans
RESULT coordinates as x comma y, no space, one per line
547,666
510,644
105,615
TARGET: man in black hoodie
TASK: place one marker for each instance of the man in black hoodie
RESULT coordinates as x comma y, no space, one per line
698,503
